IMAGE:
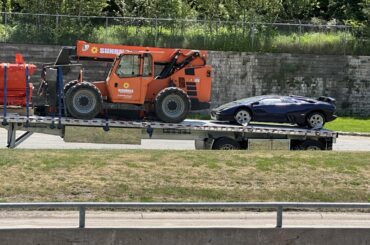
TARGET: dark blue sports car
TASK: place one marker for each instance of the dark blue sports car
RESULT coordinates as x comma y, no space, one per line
280,109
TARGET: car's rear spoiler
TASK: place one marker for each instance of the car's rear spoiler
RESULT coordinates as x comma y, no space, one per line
329,100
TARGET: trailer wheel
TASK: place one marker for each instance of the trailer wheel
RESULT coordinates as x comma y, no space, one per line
312,145
225,143
84,101
172,105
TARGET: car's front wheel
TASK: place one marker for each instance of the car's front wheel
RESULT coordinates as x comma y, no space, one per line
243,117
316,120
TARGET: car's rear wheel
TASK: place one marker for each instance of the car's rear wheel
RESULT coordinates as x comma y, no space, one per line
243,117
315,120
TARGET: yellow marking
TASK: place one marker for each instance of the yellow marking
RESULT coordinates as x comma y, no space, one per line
94,50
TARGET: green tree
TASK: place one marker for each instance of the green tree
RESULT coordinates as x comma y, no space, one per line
299,9
157,8
72,7
6,5
346,9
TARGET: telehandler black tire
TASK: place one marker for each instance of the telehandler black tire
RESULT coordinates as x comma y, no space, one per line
84,101
69,85
172,105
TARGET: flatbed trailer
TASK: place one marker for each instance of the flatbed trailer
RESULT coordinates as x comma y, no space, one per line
206,134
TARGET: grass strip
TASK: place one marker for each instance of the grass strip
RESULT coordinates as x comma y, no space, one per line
349,124
160,175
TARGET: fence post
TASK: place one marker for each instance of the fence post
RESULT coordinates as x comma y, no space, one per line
243,26
300,33
82,217
106,29
345,40
6,25
56,34
251,24
156,32
279,217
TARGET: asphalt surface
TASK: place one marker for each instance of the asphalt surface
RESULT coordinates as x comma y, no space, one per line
43,141
63,219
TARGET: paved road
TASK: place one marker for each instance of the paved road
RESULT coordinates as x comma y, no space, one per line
42,141
51,219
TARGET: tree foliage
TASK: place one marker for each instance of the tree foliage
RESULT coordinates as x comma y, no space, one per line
354,11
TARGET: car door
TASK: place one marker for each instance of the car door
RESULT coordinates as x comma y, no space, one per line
266,110
297,109
285,108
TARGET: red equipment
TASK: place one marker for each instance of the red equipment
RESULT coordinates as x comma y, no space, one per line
16,82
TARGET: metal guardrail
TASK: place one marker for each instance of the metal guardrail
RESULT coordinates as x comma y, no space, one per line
279,206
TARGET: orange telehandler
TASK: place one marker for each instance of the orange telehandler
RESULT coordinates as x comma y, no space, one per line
182,83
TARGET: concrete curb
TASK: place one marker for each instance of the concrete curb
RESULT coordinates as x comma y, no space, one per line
353,134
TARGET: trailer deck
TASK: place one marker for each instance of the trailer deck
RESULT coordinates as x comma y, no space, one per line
199,130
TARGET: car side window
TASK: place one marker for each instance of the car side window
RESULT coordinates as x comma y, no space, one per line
129,66
289,101
270,101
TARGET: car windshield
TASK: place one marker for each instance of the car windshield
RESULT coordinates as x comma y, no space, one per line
303,100
242,101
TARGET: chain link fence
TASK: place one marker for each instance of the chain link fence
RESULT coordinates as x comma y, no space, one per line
247,36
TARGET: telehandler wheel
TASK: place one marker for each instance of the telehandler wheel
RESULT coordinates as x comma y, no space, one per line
172,105
84,101
69,85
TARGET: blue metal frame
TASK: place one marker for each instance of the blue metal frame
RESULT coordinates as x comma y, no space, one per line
27,97
4,123
59,95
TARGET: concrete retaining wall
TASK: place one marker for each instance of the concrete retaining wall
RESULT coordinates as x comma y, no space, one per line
181,236
238,75
346,78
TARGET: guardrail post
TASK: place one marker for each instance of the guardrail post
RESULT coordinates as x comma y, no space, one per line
279,217
82,217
